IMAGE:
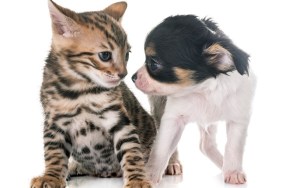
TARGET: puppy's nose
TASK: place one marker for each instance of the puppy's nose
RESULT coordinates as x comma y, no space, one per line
134,77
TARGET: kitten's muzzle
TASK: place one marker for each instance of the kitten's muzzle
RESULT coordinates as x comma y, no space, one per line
122,75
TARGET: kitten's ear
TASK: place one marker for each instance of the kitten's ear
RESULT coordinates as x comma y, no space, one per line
219,57
116,10
63,20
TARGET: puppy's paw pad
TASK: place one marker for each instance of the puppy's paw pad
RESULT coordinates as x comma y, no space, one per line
47,182
174,169
138,184
235,177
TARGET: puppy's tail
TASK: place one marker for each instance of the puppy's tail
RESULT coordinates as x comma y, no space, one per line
157,104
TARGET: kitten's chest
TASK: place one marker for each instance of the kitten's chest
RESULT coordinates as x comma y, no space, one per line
88,120
89,140
98,114
92,143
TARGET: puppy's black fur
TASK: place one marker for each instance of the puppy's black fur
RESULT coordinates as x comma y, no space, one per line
180,41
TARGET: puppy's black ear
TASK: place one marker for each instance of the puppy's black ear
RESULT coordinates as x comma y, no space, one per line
240,58
225,60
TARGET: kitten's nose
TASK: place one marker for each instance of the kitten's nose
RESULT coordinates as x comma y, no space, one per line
134,77
122,75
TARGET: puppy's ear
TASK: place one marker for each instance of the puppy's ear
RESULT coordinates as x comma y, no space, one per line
219,58
225,60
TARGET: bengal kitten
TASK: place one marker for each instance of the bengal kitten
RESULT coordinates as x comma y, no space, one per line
91,116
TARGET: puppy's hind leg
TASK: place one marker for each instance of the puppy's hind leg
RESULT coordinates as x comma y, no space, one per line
233,157
174,166
208,145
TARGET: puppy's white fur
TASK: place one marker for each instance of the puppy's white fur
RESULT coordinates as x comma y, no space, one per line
224,98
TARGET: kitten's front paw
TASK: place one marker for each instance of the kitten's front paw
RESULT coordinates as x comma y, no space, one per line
174,169
235,177
47,182
138,184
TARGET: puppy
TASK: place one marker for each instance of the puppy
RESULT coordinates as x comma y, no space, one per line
204,78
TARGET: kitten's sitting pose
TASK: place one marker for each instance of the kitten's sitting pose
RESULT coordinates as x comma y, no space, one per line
198,75
90,114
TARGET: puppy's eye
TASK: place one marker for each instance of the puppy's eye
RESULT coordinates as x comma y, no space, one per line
105,56
153,65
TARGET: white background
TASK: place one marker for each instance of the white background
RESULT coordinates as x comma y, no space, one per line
25,37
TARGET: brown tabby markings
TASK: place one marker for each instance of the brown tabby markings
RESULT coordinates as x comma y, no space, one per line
93,123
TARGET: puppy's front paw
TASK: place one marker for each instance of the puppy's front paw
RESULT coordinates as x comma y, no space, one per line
138,184
47,182
235,177
154,174
174,169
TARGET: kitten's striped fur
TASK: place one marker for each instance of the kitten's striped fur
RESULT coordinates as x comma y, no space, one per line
91,116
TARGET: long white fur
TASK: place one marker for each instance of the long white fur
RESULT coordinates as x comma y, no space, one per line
225,98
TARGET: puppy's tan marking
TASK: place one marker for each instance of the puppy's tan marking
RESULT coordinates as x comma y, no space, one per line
217,49
219,57
184,76
150,50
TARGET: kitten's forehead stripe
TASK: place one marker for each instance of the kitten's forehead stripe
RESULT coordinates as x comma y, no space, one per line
102,18
112,31
72,54
111,45
120,35
102,45
86,19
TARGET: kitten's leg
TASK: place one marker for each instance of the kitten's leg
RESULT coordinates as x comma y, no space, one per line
57,152
75,169
128,151
233,157
167,139
208,145
174,166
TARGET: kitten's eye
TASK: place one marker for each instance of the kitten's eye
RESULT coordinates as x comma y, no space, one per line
127,56
105,56
153,65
